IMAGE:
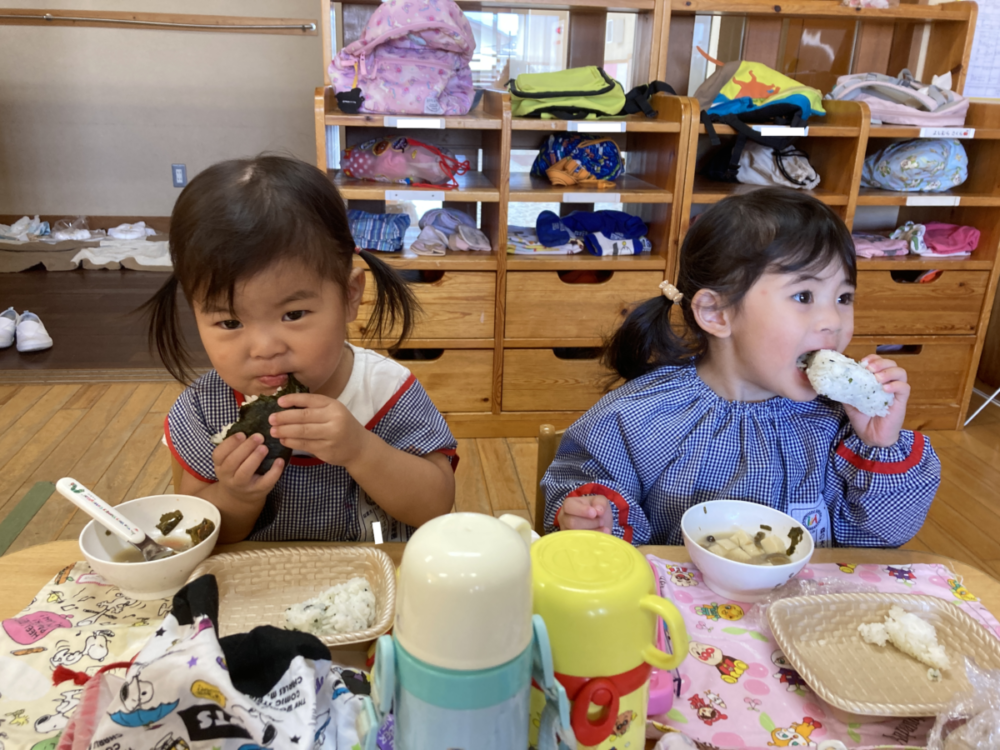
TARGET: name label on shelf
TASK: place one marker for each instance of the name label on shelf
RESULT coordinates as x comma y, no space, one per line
947,132
591,198
780,130
414,195
595,127
933,200
420,123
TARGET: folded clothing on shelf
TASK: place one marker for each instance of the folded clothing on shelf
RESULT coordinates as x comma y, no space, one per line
878,245
444,228
381,232
602,232
524,241
950,239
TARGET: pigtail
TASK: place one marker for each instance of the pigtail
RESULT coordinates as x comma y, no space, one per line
646,340
395,302
165,335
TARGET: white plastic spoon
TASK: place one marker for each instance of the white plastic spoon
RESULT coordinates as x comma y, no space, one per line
112,519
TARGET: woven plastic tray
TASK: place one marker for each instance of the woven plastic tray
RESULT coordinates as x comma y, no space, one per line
257,586
819,635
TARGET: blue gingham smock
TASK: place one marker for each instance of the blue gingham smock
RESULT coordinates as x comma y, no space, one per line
314,500
665,441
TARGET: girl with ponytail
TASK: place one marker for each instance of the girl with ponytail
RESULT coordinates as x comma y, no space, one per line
716,404
262,251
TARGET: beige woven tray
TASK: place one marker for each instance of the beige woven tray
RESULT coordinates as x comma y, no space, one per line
819,635
257,586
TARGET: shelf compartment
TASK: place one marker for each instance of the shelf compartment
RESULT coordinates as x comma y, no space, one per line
538,380
627,189
473,187
586,261
477,119
923,263
709,191
458,380
983,117
454,305
815,131
907,132
450,261
951,304
878,197
632,124
541,304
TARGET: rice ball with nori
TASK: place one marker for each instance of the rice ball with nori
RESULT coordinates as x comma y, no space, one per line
841,378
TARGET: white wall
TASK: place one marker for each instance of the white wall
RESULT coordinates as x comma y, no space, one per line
92,118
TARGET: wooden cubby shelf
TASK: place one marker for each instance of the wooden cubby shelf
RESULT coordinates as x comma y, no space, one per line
508,342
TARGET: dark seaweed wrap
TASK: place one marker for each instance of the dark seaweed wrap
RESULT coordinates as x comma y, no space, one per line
254,419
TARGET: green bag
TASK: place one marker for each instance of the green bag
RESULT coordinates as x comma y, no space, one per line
574,94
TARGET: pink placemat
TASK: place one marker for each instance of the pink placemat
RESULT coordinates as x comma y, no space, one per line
736,689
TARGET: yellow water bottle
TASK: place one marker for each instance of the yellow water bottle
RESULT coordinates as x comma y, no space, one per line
597,596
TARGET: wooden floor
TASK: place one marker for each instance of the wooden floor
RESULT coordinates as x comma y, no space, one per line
107,436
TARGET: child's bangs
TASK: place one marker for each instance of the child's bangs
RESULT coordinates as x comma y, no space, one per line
214,275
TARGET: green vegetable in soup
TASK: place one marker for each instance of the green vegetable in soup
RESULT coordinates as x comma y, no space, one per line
168,521
254,420
201,532
795,536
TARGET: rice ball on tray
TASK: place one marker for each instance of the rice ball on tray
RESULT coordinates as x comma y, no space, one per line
835,376
345,608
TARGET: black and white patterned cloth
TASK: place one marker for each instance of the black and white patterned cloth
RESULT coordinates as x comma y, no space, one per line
313,500
665,442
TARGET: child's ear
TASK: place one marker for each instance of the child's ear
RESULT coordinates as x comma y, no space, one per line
711,313
355,291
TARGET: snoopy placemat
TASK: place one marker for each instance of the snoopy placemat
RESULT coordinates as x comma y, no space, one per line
78,621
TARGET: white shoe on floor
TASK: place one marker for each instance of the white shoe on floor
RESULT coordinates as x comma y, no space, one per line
31,333
8,322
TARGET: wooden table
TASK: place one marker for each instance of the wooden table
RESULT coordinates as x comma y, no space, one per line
24,573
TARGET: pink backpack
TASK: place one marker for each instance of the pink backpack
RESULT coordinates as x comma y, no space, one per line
412,59
902,100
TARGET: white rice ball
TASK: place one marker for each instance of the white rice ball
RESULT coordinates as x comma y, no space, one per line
908,633
841,378
344,608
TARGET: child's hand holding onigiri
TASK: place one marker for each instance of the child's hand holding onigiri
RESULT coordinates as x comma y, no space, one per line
876,420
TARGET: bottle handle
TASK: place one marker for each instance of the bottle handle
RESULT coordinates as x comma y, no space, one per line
555,731
678,633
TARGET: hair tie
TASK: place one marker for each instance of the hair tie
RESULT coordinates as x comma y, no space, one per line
357,250
671,292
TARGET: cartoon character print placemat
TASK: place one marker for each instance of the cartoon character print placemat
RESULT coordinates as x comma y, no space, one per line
78,621
736,689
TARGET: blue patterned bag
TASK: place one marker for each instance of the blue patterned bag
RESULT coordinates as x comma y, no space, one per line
577,160
917,166
381,232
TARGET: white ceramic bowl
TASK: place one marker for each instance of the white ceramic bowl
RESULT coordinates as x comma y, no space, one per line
741,582
159,578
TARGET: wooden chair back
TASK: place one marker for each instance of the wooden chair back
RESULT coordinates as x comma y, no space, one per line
176,472
548,444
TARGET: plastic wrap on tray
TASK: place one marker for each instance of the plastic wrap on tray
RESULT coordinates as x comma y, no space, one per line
972,720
